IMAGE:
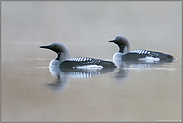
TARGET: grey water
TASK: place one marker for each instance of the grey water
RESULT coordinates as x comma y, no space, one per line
31,91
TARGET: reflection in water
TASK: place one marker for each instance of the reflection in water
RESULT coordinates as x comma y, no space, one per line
120,74
63,75
61,82
120,64
62,79
122,71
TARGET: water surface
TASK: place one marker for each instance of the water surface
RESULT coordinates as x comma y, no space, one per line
140,92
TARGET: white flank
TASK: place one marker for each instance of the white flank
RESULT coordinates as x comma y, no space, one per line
149,59
90,67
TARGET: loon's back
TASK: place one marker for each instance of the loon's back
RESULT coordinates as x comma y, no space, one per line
145,55
79,62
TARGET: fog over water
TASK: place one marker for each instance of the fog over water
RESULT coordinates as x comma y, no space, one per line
138,92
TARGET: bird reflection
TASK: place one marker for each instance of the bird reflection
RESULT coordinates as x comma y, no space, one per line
137,64
122,71
120,74
64,75
62,79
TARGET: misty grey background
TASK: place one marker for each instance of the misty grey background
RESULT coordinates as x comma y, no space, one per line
145,94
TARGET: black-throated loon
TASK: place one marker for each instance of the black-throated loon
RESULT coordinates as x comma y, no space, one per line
64,61
126,55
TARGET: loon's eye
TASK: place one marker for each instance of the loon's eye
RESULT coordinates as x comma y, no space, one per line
55,45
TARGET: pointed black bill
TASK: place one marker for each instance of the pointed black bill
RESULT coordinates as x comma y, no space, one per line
112,41
46,47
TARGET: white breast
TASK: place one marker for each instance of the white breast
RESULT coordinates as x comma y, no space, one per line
54,63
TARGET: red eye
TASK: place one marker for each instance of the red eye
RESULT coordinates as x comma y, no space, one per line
55,45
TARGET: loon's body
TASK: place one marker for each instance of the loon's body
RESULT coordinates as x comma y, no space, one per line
64,61
126,55
78,62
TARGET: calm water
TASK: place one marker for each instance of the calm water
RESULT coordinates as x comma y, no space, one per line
140,92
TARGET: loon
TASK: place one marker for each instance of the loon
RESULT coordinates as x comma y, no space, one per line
140,55
63,60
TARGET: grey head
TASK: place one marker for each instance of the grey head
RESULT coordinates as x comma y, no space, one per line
60,49
123,44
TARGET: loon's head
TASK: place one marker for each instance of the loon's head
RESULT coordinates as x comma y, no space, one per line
56,47
60,49
122,42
